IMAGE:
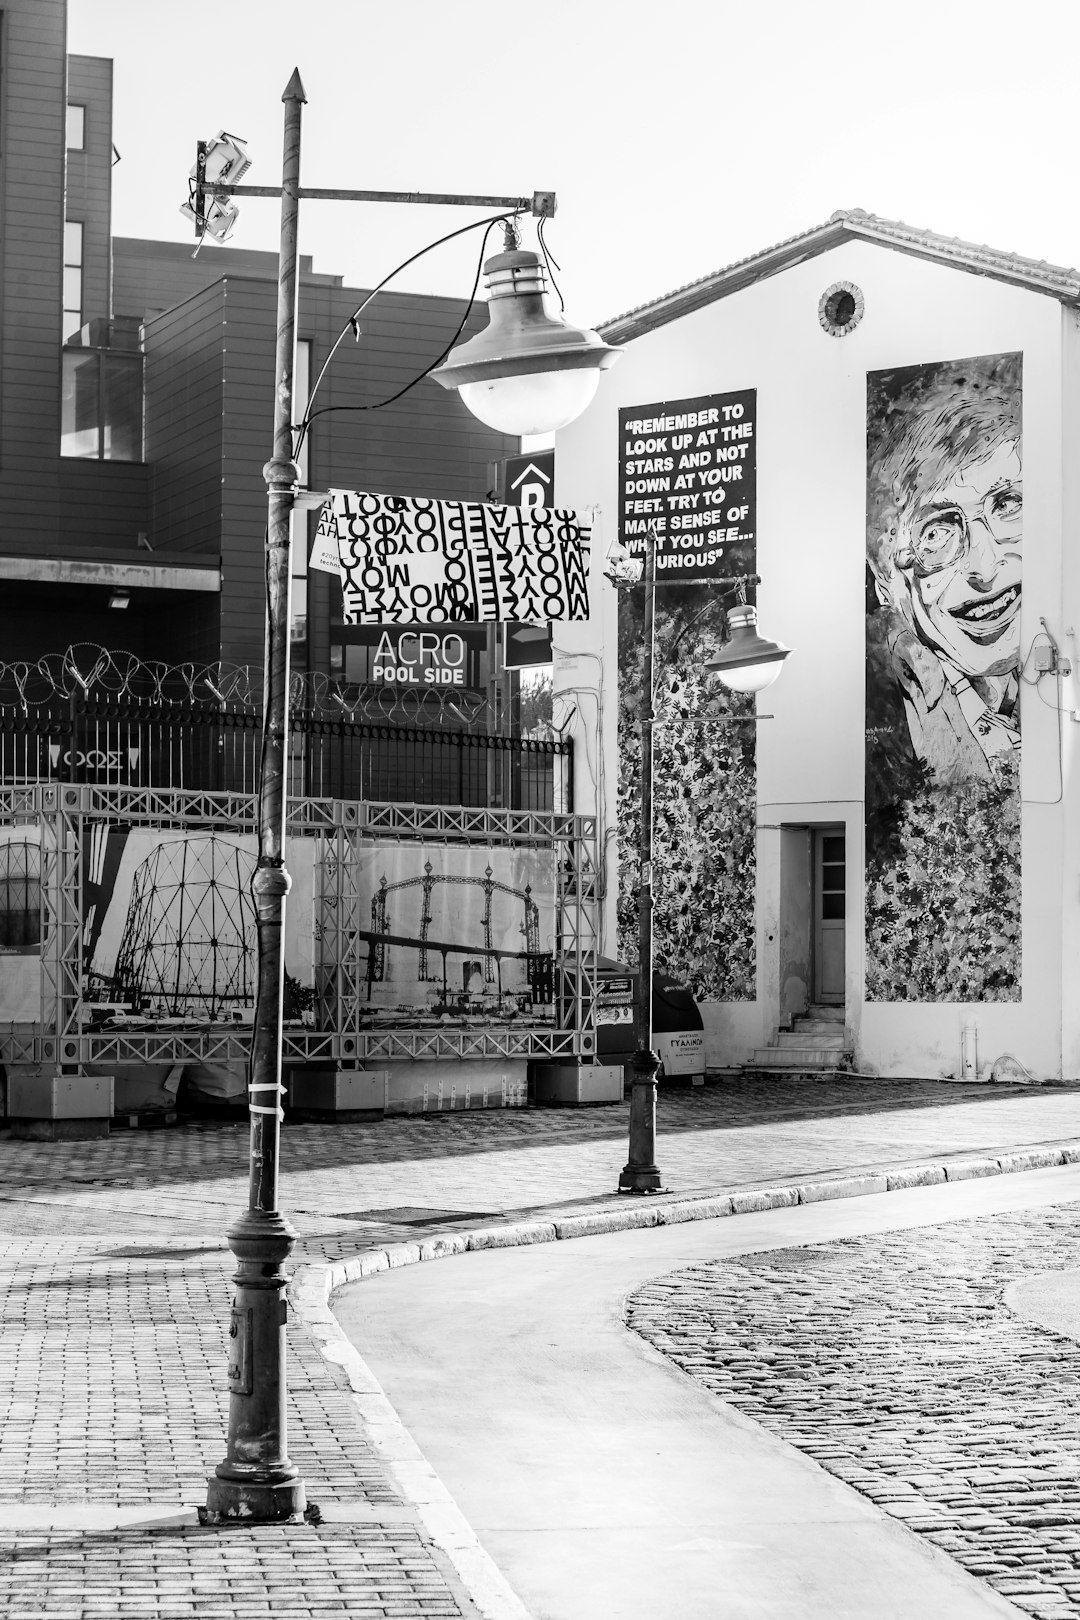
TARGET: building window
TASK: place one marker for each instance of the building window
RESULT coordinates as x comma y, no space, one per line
20,897
76,127
101,414
73,277
840,308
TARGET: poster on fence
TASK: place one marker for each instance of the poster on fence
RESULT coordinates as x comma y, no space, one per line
20,924
169,926
456,933
405,561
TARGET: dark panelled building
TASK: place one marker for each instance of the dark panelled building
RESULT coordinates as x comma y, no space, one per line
136,393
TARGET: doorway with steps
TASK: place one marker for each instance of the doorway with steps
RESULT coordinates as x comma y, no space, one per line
813,907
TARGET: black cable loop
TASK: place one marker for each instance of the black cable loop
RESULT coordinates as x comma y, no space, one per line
301,428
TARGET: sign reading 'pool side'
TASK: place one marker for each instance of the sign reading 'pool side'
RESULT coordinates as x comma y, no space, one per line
688,468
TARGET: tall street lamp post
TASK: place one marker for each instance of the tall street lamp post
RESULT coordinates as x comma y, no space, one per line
745,663
534,374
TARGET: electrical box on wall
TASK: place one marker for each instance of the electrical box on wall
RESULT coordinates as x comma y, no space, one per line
525,645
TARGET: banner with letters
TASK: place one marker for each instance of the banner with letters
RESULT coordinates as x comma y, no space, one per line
404,560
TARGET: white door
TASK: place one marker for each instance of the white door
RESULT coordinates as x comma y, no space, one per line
829,913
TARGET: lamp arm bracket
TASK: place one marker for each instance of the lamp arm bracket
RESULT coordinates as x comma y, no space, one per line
541,204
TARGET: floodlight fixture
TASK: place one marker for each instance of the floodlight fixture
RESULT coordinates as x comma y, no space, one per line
221,163
226,161
217,221
621,566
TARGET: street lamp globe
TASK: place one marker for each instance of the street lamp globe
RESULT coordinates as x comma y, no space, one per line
748,662
529,371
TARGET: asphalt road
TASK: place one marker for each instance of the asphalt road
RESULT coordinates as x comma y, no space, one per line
606,1481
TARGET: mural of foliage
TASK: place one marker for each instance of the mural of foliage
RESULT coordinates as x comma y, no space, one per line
704,804
943,897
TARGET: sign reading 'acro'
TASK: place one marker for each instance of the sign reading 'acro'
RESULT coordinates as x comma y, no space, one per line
419,658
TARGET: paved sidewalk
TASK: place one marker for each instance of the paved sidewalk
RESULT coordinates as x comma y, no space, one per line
115,1280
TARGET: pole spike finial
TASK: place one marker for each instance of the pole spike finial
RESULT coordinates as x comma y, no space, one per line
294,90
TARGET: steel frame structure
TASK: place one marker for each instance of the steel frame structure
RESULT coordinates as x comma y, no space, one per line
66,814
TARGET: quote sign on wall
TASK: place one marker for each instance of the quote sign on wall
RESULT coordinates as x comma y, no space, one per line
687,468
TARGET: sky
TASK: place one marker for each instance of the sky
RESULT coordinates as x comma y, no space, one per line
679,137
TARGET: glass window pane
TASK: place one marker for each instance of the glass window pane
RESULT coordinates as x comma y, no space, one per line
76,127
72,288
123,407
73,241
832,907
79,417
832,877
832,847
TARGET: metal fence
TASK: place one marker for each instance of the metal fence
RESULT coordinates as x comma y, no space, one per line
109,719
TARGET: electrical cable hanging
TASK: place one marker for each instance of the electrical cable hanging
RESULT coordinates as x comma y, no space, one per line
552,263
301,428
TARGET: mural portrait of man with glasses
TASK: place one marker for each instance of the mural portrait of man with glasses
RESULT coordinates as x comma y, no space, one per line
944,575
945,510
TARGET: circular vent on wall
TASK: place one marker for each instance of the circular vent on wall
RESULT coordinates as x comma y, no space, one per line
840,308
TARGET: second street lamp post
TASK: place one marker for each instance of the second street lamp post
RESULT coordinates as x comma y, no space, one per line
535,346
746,663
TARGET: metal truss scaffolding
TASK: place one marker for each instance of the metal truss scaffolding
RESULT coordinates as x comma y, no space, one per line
191,903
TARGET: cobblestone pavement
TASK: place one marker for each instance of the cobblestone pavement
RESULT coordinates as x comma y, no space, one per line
894,1363
114,1279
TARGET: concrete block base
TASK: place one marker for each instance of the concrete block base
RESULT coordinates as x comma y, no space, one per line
576,1084
48,1096
315,1094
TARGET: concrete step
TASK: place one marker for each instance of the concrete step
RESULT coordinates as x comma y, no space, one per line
831,1040
796,1057
816,1026
821,1010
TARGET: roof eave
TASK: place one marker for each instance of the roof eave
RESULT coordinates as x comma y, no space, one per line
747,272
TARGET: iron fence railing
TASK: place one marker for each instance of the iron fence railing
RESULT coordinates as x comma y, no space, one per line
112,720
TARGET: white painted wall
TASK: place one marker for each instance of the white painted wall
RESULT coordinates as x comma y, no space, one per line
1066,627
811,483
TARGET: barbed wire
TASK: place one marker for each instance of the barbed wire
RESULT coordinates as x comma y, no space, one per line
89,673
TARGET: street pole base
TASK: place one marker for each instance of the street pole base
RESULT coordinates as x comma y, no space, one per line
640,1173
250,1501
636,1180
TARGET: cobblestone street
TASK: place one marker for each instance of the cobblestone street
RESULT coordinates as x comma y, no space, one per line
894,1363
115,1271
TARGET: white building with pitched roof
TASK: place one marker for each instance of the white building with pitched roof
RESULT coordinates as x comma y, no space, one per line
884,872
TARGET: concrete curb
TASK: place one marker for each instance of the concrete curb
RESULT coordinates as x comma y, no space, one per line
312,1286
